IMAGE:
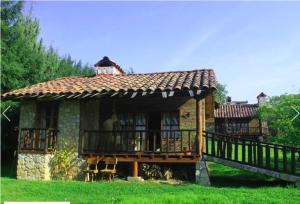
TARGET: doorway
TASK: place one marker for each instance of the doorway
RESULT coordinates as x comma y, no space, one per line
154,125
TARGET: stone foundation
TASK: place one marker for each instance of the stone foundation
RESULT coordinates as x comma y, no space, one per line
202,176
33,166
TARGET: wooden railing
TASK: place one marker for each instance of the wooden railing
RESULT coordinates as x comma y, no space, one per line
133,141
279,158
37,139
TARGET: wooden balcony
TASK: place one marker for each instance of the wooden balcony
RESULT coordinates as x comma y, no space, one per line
38,140
138,144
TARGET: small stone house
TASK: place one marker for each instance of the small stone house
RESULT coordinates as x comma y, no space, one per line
137,118
239,118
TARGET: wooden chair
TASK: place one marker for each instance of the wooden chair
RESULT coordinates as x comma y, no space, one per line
92,169
110,167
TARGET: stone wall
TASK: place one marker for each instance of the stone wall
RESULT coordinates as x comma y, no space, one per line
69,123
33,166
189,122
36,166
69,131
27,114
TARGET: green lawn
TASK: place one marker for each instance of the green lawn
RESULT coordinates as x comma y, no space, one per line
229,186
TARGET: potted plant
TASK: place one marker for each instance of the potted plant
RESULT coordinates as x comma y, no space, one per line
186,151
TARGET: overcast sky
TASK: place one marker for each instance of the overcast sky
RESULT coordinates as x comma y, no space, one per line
252,47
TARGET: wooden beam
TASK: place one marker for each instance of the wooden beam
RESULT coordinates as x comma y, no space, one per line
61,96
171,93
135,169
34,96
42,96
77,95
133,94
157,159
20,97
198,127
114,94
96,94
164,94
203,125
86,95
71,95
53,97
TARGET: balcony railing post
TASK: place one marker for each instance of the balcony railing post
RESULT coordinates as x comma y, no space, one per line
46,142
81,141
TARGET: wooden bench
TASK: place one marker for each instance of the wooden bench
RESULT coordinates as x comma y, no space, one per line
92,169
110,168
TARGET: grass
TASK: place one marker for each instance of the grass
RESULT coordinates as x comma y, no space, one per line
229,186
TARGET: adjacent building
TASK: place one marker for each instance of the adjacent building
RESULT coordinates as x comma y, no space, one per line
240,118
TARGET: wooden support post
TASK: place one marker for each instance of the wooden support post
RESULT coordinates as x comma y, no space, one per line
135,169
198,127
203,147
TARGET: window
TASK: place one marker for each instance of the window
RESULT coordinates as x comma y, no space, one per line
170,125
135,122
131,121
48,115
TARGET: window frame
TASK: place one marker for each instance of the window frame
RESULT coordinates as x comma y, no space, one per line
167,129
48,121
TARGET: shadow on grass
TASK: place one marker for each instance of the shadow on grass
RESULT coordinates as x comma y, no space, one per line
232,181
8,169
224,176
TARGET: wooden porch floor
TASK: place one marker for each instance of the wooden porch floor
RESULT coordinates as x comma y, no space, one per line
146,158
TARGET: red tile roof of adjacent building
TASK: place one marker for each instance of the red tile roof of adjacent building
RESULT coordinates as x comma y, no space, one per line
236,111
203,79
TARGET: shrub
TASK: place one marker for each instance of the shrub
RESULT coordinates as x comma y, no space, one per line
63,161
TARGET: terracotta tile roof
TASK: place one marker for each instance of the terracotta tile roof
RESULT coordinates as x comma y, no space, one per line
236,111
181,80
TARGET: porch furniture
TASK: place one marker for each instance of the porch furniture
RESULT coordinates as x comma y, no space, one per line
92,169
110,168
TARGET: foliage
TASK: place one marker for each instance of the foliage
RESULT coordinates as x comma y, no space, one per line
130,71
63,161
25,61
221,93
278,113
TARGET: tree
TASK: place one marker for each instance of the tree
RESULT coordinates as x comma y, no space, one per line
26,61
221,93
278,113
130,71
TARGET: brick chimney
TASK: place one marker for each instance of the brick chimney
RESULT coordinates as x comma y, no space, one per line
108,67
261,98
228,99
